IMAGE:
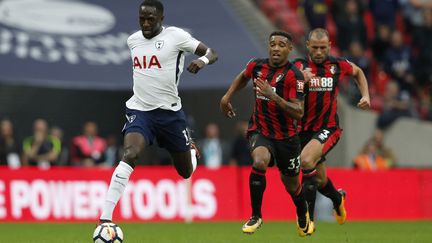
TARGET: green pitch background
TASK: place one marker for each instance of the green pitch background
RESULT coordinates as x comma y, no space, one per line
223,232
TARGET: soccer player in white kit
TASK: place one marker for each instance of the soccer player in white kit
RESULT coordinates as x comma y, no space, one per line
155,111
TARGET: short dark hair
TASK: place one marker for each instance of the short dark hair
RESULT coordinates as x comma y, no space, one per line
154,3
319,32
282,33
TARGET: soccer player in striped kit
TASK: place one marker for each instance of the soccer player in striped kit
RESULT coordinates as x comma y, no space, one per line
319,127
272,130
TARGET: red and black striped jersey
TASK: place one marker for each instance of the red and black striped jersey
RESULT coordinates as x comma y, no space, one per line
268,118
321,92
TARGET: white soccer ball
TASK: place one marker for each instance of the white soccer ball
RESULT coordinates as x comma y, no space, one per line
108,233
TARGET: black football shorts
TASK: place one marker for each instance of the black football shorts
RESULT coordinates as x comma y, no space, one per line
284,153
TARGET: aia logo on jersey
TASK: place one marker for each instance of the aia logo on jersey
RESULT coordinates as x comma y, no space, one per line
332,69
159,44
146,62
300,86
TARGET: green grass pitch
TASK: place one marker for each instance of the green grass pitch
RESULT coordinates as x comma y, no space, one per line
223,232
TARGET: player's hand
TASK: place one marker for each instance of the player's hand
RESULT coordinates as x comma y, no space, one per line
364,103
196,65
262,87
307,73
226,107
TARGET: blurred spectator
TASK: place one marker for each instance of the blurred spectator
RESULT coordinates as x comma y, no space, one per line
411,14
240,151
424,106
356,55
378,87
378,139
398,62
314,13
338,7
41,149
396,104
423,4
88,149
375,155
63,158
212,147
381,42
422,41
370,159
9,154
112,151
350,27
384,11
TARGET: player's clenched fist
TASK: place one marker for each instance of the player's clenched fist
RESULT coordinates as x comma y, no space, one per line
226,107
196,65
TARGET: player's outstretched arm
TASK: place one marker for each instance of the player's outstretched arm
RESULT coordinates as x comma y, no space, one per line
225,104
362,84
294,108
206,55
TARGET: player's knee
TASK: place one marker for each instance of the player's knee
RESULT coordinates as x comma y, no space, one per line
130,155
307,162
260,164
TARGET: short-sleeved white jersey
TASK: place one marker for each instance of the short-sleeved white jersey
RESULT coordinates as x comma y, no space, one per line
157,65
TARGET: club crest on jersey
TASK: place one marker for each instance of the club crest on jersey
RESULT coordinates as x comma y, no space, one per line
279,77
159,44
130,118
333,69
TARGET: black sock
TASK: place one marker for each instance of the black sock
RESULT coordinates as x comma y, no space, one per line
301,205
330,191
309,189
257,185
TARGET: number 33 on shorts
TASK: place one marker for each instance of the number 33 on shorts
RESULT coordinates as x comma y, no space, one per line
294,164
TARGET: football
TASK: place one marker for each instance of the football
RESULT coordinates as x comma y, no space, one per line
108,233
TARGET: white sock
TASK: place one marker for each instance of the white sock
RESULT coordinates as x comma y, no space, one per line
119,180
193,159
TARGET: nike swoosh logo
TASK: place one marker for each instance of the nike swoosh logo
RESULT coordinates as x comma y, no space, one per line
120,177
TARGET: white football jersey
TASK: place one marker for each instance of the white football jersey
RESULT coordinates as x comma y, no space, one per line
157,65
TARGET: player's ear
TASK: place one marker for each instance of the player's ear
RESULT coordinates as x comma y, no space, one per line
307,44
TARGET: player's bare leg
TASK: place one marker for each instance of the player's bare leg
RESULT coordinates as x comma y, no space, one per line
134,143
257,184
294,188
